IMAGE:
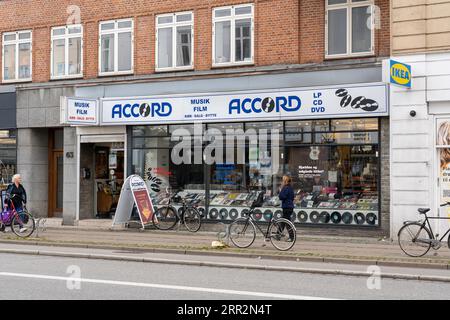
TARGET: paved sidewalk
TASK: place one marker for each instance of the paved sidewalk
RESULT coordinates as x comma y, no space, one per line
99,234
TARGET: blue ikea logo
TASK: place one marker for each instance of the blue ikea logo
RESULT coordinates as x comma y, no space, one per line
145,110
400,74
268,105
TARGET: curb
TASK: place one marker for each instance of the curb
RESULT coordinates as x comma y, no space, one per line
396,276
340,260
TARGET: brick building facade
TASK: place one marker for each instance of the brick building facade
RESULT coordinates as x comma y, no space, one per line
291,47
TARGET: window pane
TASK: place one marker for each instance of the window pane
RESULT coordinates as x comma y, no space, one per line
184,43
24,36
184,17
75,56
74,30
330,2
337,31
125,24
223,42
167,19
361,34
165,48
222,13
59,32
10,62
24,61
9,37
243,10
107,26
354,124
107,48
150,131
59,57
125,58
243,40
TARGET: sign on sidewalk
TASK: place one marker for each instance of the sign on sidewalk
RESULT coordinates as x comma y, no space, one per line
134,191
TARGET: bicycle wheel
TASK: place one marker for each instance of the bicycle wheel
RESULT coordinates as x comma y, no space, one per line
192,219
23,224
242,232
283,234
414,239
165,218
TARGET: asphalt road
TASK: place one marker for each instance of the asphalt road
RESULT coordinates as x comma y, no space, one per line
44,277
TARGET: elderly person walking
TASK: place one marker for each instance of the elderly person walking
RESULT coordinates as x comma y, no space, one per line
16,194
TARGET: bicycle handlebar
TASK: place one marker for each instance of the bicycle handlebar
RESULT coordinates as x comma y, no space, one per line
445,204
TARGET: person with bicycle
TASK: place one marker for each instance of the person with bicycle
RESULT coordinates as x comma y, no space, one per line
16,196
286,196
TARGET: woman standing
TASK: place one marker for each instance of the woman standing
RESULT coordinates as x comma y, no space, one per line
287,201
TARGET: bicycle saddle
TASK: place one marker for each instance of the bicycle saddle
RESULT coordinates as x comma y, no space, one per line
423,210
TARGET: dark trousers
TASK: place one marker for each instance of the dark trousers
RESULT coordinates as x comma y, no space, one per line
287,214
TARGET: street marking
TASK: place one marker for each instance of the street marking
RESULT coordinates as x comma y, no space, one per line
164,286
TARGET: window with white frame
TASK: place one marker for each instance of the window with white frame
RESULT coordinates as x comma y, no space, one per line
67,51
116,47
233,34
349,27
17,56
174,47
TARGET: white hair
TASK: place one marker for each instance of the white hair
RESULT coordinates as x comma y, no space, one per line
16,176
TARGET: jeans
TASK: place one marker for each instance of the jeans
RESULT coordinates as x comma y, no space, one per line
287,214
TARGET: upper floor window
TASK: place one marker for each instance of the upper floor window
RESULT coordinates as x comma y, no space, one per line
349,28
116,47
233,35
17,56
67,52
174,48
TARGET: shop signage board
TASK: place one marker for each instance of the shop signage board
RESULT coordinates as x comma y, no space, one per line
397,73
79,111
344,101
134,191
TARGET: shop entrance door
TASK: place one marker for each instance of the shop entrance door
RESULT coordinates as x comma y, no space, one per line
56,173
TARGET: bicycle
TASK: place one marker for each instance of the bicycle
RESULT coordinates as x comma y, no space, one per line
22,223
281,232
416,238
167,216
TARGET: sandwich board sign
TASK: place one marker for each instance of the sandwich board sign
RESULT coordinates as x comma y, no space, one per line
134,191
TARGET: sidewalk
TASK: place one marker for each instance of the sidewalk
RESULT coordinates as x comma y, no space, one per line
99,234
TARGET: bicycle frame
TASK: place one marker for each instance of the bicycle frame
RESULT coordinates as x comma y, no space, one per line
427,222
250,217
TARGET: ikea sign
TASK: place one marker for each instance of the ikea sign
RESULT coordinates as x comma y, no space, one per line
399,73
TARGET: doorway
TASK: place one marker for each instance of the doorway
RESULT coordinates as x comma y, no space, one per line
102,170
56,173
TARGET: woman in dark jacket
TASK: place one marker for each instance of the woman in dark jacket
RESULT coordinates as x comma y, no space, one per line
16,194
287,201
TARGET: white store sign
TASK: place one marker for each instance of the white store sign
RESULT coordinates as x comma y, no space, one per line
345,101
79,111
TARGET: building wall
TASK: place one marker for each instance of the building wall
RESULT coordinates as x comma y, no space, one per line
87,186
286,31
420,26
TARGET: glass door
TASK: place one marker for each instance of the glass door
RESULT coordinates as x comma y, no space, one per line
443,171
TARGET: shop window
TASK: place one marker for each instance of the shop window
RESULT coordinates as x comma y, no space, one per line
17,56
8,156
349,28
174,45
233,35
67,53
116,47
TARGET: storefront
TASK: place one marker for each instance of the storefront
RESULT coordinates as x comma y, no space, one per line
220,148
8,136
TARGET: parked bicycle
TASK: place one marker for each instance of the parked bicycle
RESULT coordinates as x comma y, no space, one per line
281,232
167,216
416,238
21,222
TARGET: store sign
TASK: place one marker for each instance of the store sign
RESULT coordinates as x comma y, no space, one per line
79,111
324,102
399,73
134,191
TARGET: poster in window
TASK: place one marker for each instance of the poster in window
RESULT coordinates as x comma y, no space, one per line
443,143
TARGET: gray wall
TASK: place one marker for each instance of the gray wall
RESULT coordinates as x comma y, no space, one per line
87,185
70,177
32,164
